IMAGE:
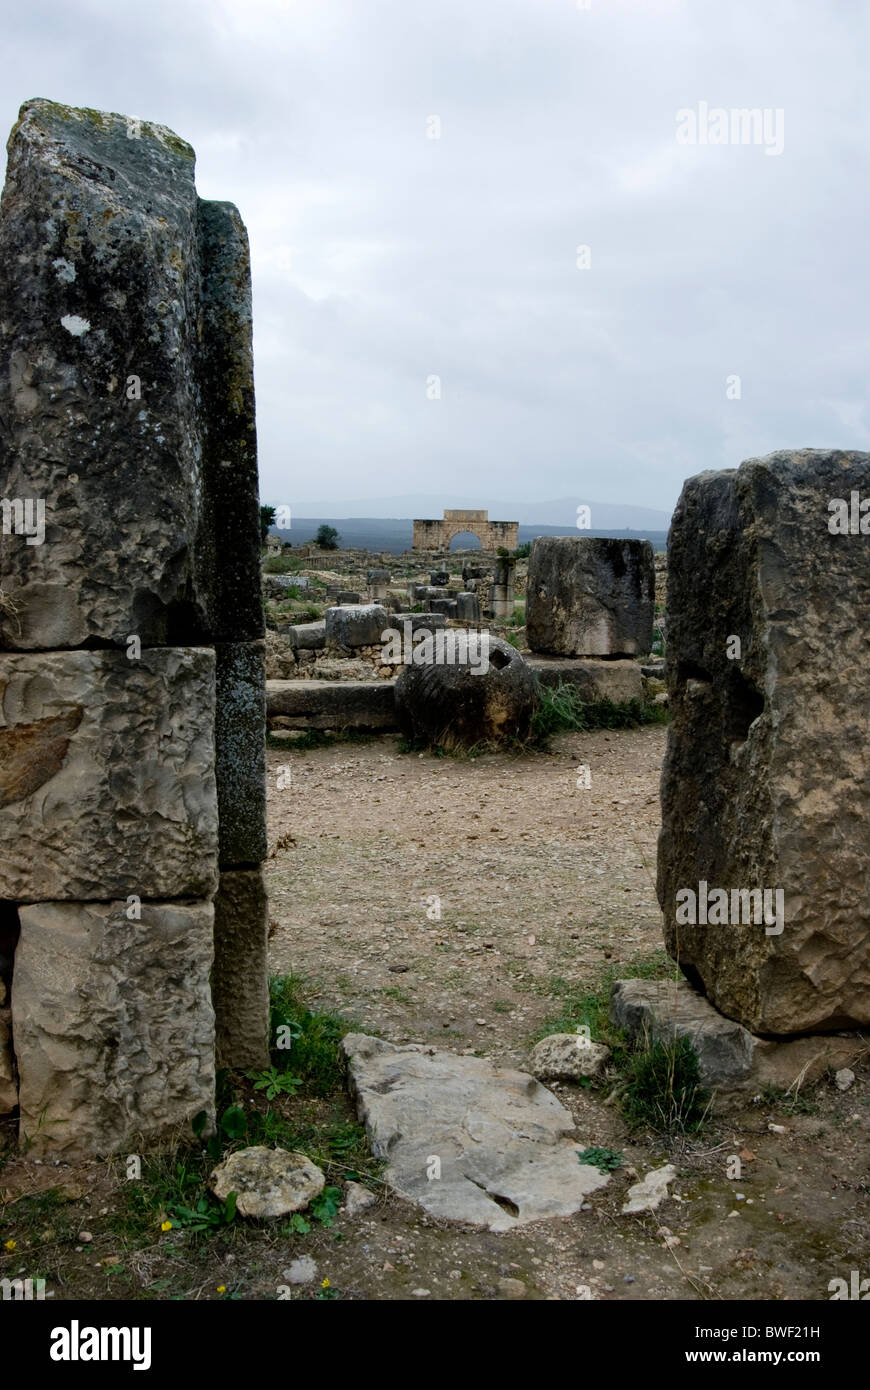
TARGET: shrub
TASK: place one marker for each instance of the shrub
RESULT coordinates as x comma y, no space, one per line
562,709
662,1087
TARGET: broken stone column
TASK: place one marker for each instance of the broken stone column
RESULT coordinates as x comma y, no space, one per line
501,592
377,581
130,621
764,850
590,596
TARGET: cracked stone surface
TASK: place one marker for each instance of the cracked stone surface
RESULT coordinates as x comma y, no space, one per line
500,1141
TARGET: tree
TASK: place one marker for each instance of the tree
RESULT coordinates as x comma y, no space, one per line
267,519
327,537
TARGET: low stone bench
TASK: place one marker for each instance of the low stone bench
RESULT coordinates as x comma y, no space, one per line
619,681
332,704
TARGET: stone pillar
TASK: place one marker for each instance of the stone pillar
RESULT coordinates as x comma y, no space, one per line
590,596
377,581
131,623
763,854
501,592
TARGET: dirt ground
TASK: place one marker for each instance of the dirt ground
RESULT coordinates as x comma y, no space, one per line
543,884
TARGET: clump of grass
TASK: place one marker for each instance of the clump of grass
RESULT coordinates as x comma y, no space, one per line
662,1087
657,1083
590,1004
790,1102
311,1038
562,709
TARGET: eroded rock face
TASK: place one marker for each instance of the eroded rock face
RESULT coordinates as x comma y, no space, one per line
112,1023
108,784
128,398
766,783
268,1182
468,1140
590,596
481,694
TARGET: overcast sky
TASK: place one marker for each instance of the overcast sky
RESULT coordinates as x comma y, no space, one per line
382,257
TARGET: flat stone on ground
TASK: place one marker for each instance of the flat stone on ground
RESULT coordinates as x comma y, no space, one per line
466,1139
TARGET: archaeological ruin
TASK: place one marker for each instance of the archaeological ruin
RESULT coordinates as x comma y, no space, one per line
493,535
132,667
479,746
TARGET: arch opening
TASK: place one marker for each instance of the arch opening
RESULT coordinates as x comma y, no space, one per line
465,540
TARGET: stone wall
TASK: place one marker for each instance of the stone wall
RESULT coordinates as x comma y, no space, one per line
132,696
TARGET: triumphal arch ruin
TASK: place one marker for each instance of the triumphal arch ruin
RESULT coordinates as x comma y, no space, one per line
437,535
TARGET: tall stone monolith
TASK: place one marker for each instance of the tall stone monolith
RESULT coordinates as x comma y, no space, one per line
131,685
764,854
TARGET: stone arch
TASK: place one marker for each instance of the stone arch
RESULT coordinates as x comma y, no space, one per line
464,530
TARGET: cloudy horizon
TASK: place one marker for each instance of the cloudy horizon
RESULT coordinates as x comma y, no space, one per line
426,319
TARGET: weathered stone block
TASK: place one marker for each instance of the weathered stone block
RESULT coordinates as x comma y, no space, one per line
468,607
766,784
619,680
427,622
126,391
107,783
113,1023
730,1058
332,704
447,607
240,978
590,596
359,626
240,752
308,636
